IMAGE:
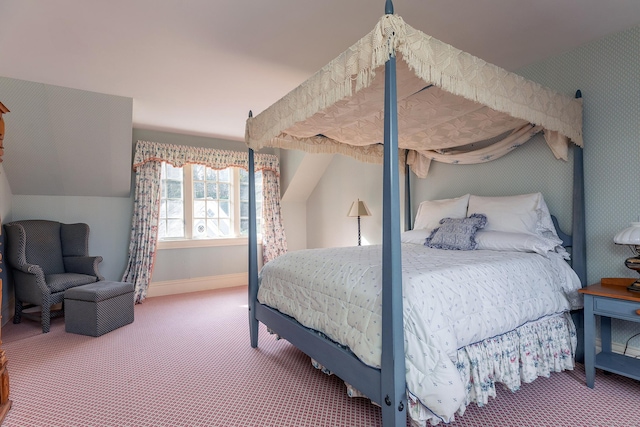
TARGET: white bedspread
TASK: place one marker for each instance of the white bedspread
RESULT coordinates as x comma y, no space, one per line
451,299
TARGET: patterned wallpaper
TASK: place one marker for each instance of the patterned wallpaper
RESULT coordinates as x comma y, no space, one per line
607,72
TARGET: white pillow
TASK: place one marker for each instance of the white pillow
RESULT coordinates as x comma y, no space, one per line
430,212
518,242
512,214
415,236
545,227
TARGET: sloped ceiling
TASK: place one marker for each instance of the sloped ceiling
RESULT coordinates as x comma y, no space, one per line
307,171
66,142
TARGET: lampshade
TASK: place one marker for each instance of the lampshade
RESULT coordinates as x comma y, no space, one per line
359,208
629,236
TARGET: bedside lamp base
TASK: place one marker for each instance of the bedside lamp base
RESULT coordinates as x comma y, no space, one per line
634,287
633,263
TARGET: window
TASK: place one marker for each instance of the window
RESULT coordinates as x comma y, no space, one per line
200,203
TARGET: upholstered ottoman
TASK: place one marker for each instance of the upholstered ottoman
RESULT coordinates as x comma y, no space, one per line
98,308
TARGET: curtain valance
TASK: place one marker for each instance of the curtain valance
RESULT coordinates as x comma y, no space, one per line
180,155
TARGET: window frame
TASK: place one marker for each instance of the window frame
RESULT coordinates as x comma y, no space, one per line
187,196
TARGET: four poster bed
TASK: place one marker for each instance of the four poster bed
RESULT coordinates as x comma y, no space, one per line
417,329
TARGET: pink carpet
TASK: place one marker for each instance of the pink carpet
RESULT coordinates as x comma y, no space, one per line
186,361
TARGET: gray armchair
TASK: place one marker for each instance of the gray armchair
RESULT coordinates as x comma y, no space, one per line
46,258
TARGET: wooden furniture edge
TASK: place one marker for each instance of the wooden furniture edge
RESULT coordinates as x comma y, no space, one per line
5,402
612,287
3,110
616,281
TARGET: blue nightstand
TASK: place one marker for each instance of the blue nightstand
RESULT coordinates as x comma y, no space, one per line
608,299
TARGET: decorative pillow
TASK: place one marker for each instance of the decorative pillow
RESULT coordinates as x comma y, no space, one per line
430,212
415,236
518,242
456,233
513,214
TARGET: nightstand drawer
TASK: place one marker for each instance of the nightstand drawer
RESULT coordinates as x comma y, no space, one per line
617,308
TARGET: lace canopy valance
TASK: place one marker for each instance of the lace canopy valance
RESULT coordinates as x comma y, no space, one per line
452,106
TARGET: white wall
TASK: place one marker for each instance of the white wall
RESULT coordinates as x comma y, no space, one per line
346,180
294,219
290,161
300,173
189,263
293,210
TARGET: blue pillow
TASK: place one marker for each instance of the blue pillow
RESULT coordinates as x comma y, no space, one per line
457,233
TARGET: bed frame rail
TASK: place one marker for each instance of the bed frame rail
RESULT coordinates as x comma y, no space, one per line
340,361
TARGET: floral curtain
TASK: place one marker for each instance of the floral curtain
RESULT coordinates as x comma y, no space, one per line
144,230
274,242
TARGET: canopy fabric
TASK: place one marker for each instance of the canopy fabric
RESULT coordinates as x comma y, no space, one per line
447,99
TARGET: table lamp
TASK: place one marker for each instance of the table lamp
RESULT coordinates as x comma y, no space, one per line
631,236
359,208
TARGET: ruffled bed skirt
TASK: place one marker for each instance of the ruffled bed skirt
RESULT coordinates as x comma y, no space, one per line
533,350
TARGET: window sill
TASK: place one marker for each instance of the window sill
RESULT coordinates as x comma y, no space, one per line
204,243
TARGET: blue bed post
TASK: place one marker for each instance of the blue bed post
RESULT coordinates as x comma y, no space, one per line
579,247
393,376
253,251
407,195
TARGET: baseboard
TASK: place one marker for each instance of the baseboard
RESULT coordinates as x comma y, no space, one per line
182,286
